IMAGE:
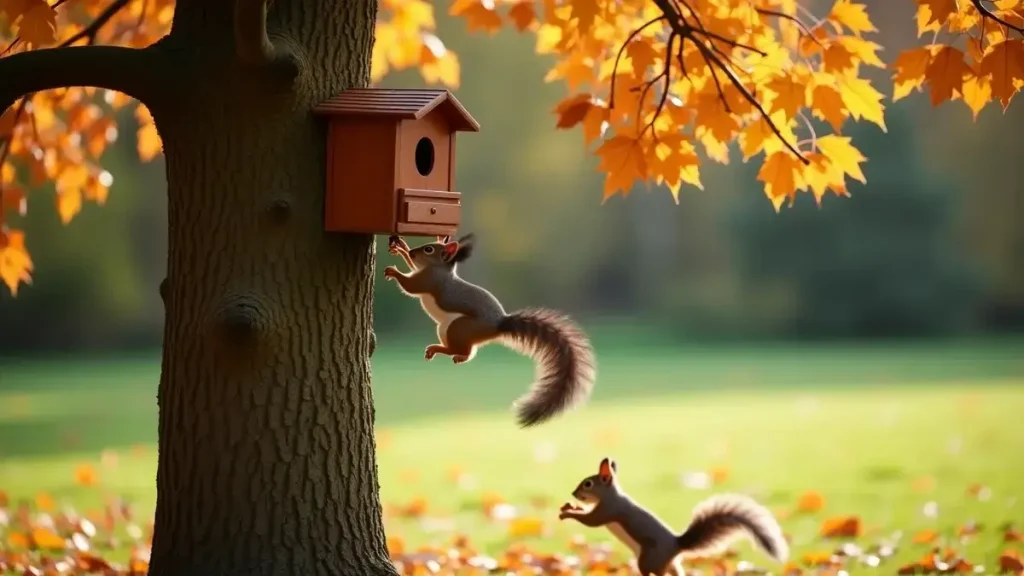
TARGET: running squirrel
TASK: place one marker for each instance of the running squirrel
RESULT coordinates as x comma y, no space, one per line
469,316
717,522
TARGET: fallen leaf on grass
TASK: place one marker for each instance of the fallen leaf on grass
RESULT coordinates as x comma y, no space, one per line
414,509
1011,534
85,475
810,501
1010,561
44,502
969,529
979,491
923,484
925,537
841,527
526,527
719,474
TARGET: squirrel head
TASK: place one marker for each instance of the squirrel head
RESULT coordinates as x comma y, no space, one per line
594,488
444,253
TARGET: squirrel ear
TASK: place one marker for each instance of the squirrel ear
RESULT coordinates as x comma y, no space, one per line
607,469
449,250
444,239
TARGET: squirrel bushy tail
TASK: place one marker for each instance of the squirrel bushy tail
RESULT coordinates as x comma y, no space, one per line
721,519
564,358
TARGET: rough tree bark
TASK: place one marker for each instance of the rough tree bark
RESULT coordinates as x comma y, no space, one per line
266,452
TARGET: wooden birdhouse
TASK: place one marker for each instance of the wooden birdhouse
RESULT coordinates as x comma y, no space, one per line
391,161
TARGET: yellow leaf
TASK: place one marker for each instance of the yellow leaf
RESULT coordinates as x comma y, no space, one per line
851,15
977,92
442,68
525,527
939,11
69,204
910,66
945,74
38,24
1005,64
149,143
925,23
674,161
15,262
862,100
863,50
622,159
842,155
780,175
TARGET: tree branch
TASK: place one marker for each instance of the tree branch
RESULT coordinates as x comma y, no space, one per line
126,70
710,53
986,13
251,41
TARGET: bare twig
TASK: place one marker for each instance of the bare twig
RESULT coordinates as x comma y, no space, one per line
615,68
710,52
803,27
89,32
986,13
665,75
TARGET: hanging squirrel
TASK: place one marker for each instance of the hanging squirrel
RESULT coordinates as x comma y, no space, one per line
469,316
717,522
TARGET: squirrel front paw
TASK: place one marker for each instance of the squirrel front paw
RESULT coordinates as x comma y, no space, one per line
567,510
393,244
391,272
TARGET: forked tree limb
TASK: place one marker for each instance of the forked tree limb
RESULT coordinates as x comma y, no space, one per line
986,13
127,70
252,44
715,58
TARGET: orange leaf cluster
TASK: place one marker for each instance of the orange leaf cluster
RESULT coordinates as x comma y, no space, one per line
59,136
754,74
657,86
975,57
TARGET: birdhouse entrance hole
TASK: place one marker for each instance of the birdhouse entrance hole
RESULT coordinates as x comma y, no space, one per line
424,156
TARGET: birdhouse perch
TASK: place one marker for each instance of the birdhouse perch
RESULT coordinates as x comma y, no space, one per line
391,161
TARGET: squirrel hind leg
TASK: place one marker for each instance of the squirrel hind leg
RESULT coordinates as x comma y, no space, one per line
464,335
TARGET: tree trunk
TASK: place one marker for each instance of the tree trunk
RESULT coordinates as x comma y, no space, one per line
267,457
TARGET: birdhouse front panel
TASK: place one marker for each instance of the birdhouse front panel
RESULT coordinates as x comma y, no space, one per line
423,153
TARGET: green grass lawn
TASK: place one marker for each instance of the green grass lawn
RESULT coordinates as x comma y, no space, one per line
884,433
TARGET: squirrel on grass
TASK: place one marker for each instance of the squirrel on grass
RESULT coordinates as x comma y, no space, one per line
469,316
717,522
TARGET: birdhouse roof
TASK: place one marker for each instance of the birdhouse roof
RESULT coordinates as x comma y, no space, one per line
399,104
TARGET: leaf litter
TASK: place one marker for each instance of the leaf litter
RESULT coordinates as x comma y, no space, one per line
40,538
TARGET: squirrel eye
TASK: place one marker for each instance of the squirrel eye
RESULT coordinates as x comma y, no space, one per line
588,484
428,250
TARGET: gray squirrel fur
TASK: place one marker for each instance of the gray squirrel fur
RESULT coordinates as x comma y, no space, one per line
717,522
